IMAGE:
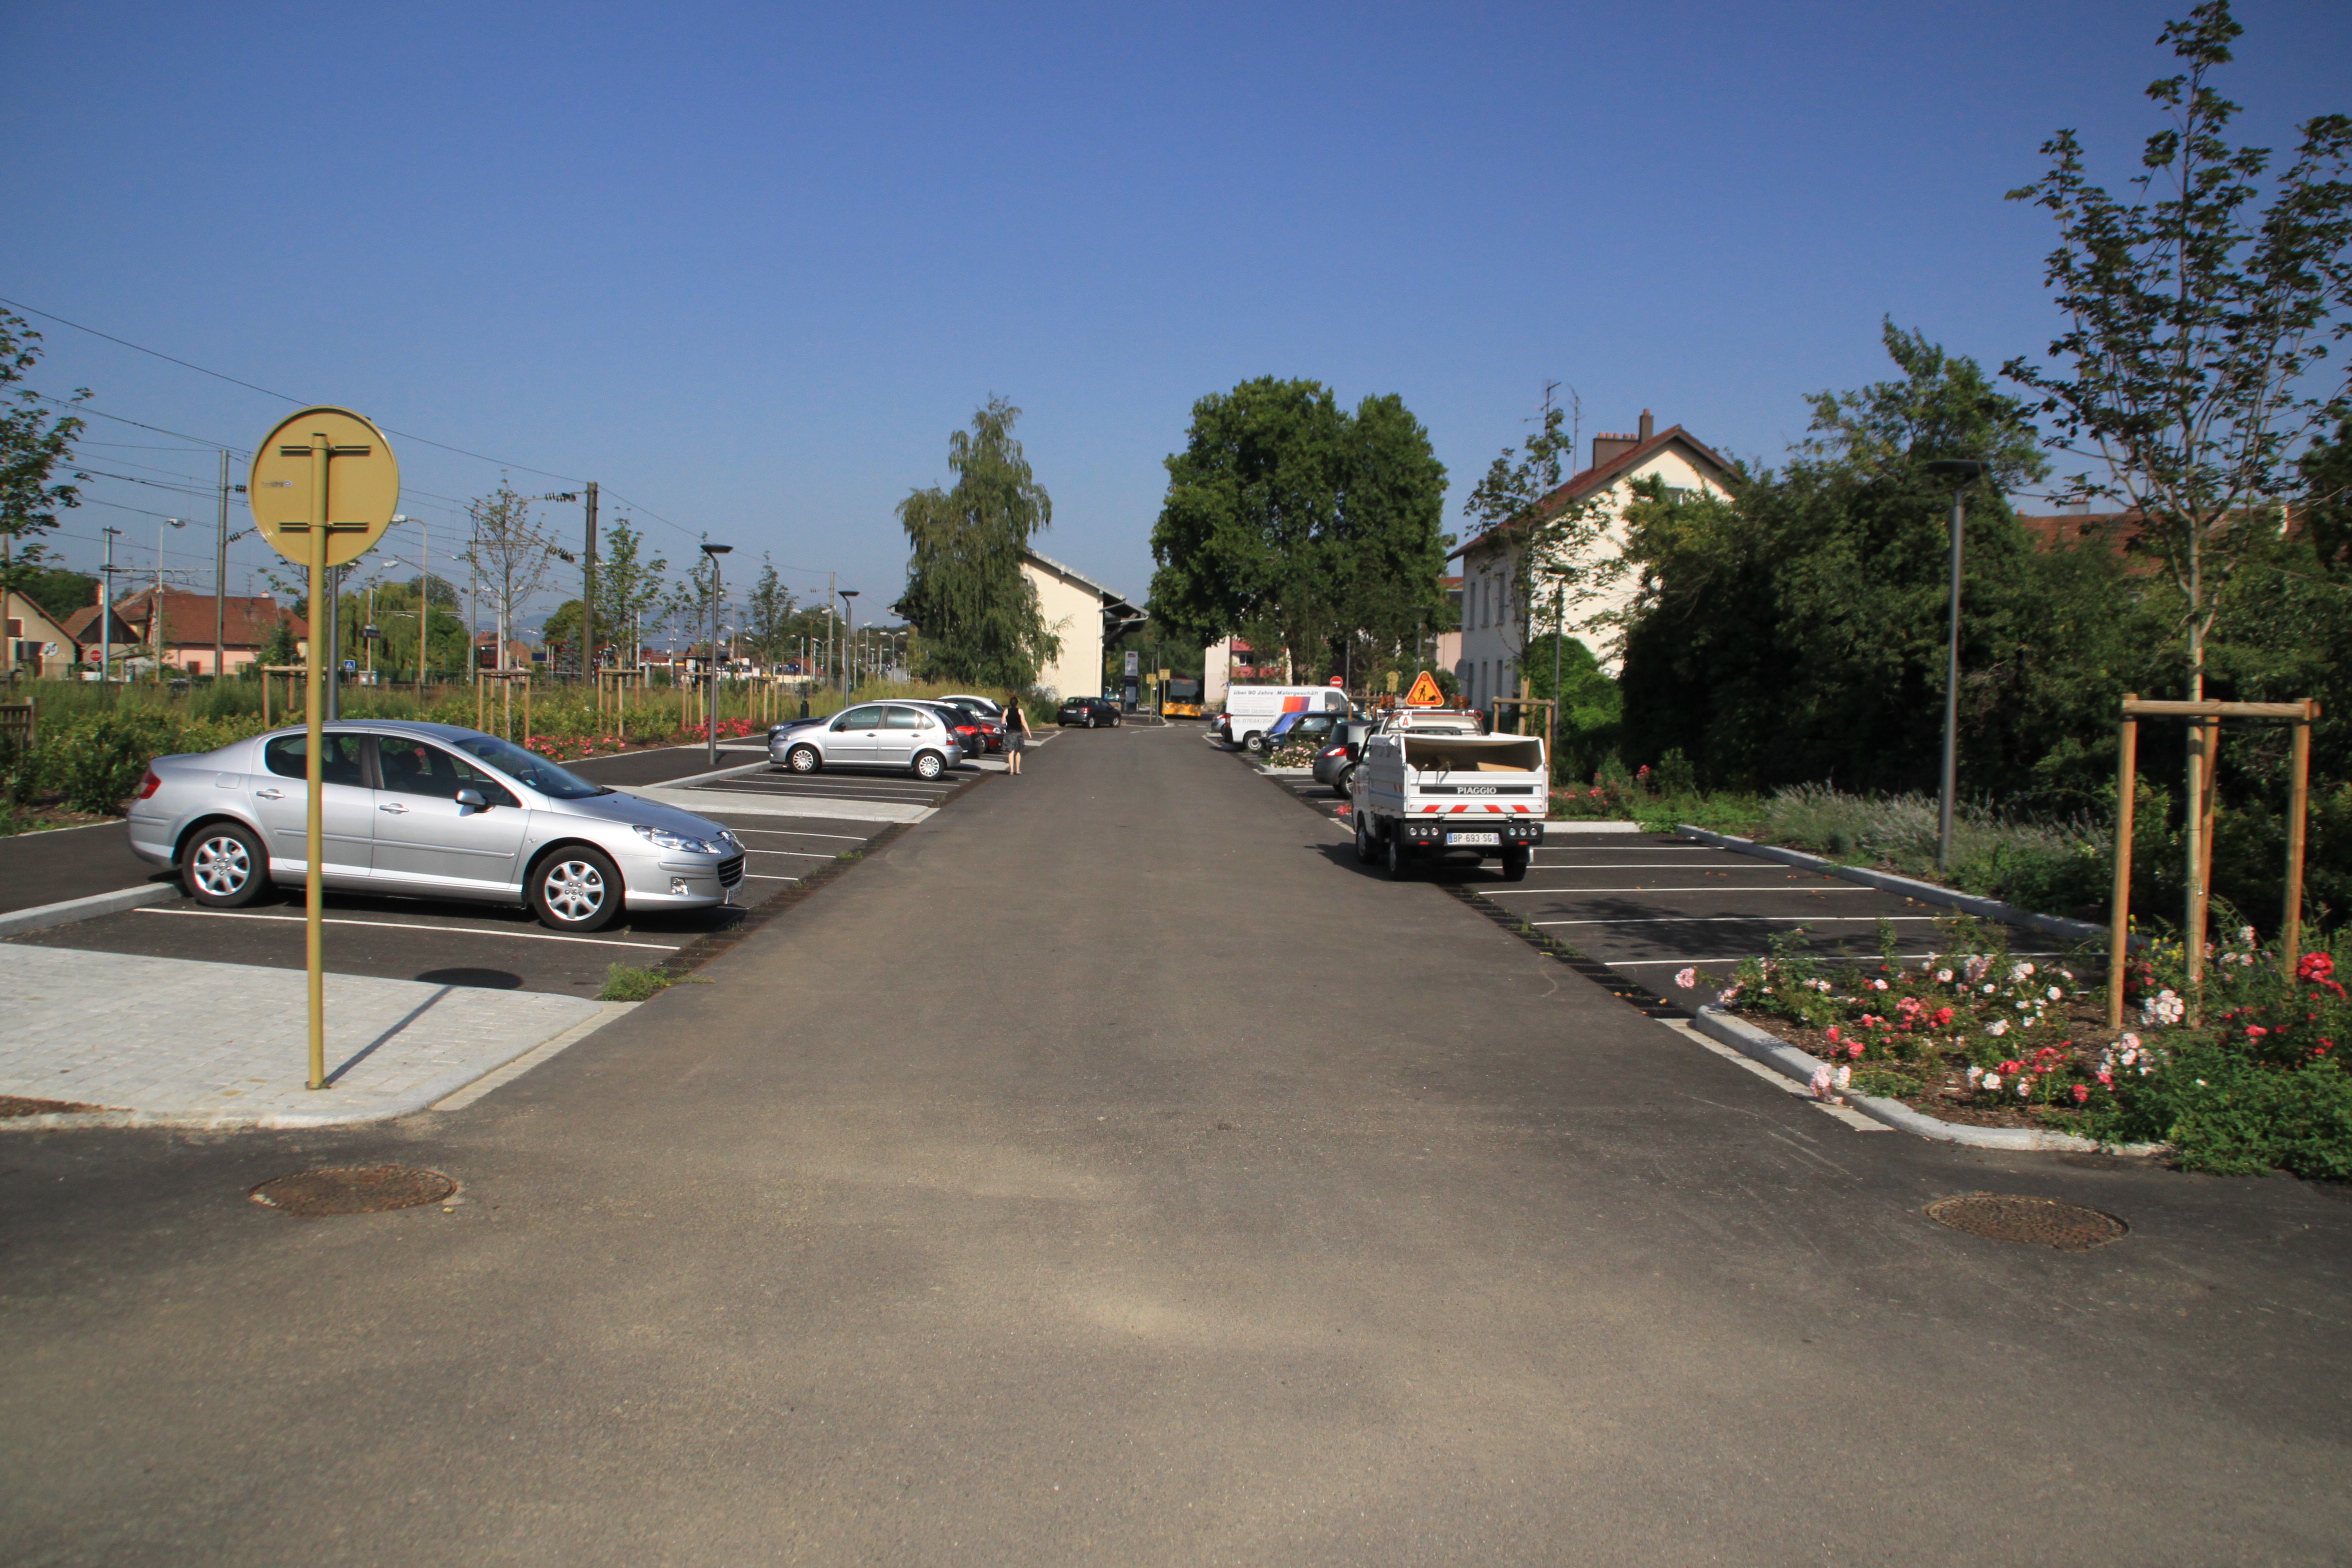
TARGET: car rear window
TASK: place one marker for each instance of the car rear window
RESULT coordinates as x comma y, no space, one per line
288,756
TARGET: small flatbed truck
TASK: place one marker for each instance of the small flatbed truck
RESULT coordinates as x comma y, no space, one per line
1430,786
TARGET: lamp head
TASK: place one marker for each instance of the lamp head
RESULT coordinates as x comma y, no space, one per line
717,549
1959,470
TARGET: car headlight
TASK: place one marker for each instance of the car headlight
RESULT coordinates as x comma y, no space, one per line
663,838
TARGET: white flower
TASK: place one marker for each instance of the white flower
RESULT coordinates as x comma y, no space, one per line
2000,1026
1943,977
2201,1083
2021,971
1977,968
1878,985
1821,1082
2054,994
2246,935
2023,1088
1845,1075
1686,978
1992,1083
1989,990
1728,993
1974,1073
2025,1007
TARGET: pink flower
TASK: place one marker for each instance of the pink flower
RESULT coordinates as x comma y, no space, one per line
1833,1034
1686,978
1854,1049
2081,1093
2255,1031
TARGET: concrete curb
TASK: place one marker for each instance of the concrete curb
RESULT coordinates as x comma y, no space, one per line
43,916
1782,1057
449,1086
1888,882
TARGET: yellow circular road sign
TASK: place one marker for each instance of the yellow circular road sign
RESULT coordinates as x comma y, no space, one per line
330,460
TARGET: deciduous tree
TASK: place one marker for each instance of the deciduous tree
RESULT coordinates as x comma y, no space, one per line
965,592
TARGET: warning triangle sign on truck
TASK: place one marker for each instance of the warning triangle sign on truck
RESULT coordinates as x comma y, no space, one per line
1425,693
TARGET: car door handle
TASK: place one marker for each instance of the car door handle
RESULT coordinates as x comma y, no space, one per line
396,808
269,794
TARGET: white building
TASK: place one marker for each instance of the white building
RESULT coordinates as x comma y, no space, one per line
1084,615
1494,632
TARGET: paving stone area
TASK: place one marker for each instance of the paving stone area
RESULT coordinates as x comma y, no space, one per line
171,1042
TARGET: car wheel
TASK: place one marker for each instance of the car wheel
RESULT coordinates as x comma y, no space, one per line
225,866
803,759
929,765
1346,782
1366,850
1253,742
1515,860
576,889
1399,863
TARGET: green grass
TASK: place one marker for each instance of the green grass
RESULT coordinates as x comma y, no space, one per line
623,983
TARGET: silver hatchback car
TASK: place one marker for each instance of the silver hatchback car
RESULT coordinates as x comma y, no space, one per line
428,811
905,735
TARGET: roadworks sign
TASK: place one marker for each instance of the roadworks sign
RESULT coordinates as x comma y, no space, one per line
1425,693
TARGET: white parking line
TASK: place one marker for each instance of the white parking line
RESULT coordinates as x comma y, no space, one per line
402,925
1493,892
1703,920
754,876
805,854
850,838
1639,865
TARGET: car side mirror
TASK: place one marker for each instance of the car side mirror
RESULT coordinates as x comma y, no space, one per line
472,800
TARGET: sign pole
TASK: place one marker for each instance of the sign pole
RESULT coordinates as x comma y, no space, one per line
314,953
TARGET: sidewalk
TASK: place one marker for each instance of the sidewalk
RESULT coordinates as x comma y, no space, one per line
166,1042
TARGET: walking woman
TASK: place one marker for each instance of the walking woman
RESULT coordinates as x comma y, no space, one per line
1016,735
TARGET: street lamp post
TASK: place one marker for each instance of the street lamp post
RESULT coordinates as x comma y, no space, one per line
106,613
155,624
848,640
711,713
1962,472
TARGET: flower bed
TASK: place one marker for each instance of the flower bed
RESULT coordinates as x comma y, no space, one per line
1976,1035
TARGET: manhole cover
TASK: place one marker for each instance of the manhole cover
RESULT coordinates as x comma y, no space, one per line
2038,1222
353,1189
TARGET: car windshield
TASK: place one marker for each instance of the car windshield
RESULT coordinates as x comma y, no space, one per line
528,768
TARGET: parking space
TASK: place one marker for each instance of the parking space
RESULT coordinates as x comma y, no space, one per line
1647,905
789,835
893,795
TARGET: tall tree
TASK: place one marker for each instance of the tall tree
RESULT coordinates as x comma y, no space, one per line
2197,323
768,614
630,586
1387,548
965,592
1242,541
32,445
509,557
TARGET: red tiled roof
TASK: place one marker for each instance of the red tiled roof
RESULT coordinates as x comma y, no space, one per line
1604,474
249,621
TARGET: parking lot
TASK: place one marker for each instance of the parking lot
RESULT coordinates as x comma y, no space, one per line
1646,905
790,827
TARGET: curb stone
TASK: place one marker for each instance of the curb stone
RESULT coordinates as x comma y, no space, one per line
1779,1055
1888,882
41,917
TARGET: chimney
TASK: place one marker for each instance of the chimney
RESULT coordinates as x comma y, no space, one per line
1649,426
1606,447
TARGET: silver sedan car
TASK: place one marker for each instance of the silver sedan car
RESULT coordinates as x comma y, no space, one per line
907,735
428,811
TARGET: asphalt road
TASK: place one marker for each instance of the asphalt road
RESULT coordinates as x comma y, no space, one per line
1110,1171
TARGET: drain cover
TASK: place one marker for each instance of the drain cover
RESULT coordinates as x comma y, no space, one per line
2038,1222
353,1189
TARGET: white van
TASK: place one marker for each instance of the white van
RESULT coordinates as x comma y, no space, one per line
1250,711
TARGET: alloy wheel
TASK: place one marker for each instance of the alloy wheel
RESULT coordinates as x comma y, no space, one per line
221,866
573,890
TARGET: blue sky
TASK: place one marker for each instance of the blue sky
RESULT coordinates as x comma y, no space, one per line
749,265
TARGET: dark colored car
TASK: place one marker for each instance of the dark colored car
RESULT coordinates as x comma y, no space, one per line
1295,729
990,723
1343,748
1093,712
967,727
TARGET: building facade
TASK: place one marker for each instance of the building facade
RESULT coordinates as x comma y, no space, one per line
1497,579
38,645
1086,616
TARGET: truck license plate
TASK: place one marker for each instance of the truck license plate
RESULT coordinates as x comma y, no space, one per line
1474,838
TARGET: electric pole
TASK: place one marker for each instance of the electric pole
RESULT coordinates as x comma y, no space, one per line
588,594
